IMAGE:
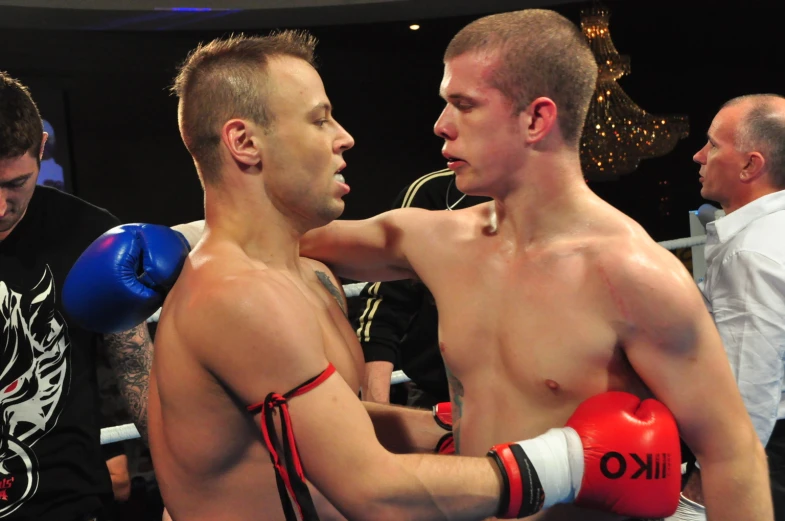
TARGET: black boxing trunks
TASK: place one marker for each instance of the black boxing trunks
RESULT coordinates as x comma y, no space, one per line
289,473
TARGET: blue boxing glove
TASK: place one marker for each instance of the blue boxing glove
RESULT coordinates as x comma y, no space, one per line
123,277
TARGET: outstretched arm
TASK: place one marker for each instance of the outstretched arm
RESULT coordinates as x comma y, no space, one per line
673,345
370,250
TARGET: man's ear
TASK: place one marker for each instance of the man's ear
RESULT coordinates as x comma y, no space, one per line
43,144
239,138
754,168
539,119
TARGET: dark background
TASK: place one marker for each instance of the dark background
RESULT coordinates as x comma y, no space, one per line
126,154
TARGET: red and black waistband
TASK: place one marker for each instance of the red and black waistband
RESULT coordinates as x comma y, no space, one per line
295,497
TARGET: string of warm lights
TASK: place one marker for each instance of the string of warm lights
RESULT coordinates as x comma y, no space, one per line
618,134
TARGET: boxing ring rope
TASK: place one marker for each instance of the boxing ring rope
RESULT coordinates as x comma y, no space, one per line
686,242
129,431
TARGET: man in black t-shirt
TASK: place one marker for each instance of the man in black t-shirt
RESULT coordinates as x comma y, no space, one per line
51,464
397,320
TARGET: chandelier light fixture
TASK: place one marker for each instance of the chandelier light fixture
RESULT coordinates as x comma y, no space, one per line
618,134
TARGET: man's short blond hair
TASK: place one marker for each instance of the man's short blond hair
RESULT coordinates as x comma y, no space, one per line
541,53
225,79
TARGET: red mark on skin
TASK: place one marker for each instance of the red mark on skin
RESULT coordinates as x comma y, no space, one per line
614,293
553,386
442,347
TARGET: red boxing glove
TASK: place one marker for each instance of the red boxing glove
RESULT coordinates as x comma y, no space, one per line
442,415
617,454
631,453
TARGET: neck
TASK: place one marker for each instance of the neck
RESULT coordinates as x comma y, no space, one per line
546,199
745,197
250,220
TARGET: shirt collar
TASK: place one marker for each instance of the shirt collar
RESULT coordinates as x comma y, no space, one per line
727,227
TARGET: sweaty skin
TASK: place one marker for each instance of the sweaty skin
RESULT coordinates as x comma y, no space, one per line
528,336
208,464
532,331
548,295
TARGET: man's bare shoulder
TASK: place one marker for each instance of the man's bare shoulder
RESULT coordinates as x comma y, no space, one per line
250,326
646,280
226,299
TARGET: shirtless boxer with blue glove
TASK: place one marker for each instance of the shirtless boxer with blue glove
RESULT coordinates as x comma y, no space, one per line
145,263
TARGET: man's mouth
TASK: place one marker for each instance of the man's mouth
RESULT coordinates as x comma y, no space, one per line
454,163
338,176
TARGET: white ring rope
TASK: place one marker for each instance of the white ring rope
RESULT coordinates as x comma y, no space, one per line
354,290
119,433
686,242
399,377
128,431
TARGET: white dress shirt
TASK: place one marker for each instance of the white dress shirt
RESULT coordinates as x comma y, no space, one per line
744,290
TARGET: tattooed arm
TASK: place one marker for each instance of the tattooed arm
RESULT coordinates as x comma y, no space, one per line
130,355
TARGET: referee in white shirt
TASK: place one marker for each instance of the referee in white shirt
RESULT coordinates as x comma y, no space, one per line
743,169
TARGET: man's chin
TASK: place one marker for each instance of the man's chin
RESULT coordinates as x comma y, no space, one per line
332,213
338,209
8,225
7,228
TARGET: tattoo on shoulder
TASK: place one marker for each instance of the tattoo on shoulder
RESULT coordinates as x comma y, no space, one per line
130,355
456,391
335,292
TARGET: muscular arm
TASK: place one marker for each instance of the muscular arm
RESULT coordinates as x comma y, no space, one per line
674,347
372,249
277,343
130,355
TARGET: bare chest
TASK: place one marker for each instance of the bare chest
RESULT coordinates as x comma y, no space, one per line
543,326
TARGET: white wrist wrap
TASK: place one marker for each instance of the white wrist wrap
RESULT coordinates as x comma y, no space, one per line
557,456
688,511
